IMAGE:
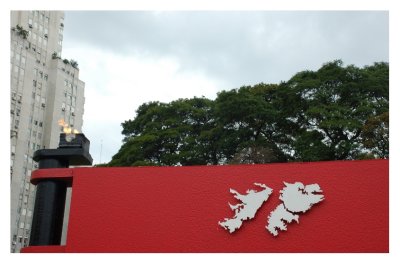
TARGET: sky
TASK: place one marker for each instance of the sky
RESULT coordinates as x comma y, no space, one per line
127,58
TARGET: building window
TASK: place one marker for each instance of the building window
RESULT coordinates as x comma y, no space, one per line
25,241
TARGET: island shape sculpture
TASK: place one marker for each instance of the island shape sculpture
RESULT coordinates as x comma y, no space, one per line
296,198
250,203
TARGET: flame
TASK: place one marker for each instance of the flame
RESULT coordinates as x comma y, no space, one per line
66,128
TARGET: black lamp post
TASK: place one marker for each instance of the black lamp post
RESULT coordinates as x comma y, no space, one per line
48,214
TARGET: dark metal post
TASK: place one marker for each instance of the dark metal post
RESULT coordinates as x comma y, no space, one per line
48,215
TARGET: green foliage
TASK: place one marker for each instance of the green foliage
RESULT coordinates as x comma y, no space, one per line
101,165
55,56
21,31
334,103
74,64
169,134
333,113
375,135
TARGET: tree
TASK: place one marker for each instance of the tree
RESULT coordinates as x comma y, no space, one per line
331,106
248,116
177,133
336,112
375,135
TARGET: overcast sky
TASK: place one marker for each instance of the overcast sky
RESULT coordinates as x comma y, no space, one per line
129,58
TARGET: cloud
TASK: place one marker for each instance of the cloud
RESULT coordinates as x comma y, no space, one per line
129,58
240,46
116,85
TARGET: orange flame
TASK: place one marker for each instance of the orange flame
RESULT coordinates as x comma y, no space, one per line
66,128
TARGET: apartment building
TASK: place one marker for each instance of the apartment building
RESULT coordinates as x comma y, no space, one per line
44,89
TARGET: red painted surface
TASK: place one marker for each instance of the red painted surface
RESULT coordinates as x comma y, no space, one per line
60,174
46,249
177,209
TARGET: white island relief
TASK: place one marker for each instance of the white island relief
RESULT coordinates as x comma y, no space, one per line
250,203
296,199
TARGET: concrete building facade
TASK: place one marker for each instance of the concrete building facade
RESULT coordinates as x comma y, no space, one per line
44,89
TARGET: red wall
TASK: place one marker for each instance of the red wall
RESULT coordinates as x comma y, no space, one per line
177,209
